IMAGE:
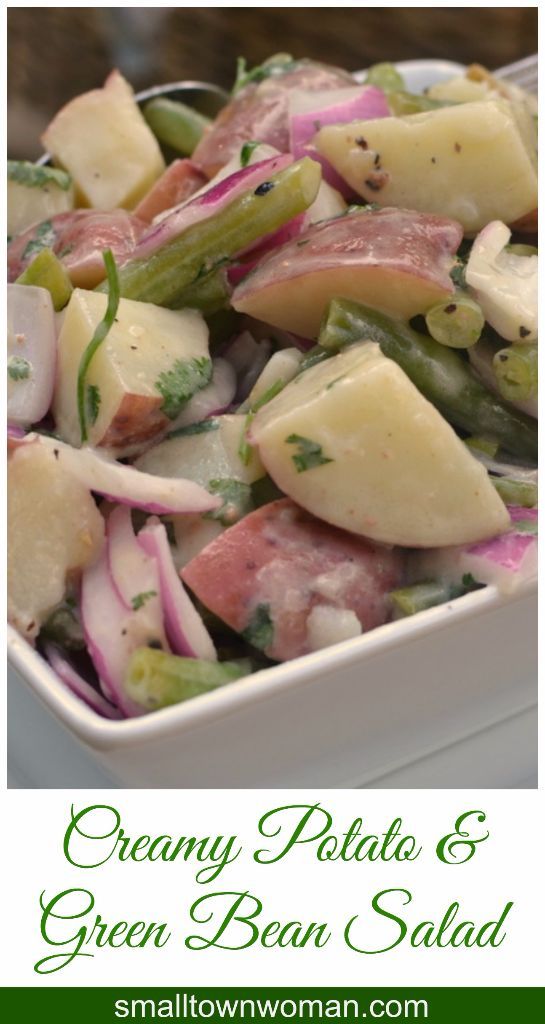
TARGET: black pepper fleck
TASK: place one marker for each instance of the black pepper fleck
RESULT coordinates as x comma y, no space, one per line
451,308
265,187
376,161
360,141
523,332
433,160
56,452
457,147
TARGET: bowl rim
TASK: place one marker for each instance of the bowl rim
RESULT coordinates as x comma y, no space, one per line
104,734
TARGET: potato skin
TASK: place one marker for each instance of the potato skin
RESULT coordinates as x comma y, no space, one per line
286,560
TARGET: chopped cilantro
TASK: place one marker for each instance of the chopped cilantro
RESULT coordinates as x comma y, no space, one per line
526,526
260,631
18,369
237,500
44,238
269,394
195,428
179,384
101,330
244,448
140,599
458,274
469,581
37,175
277,65
309,455
246,152
93,402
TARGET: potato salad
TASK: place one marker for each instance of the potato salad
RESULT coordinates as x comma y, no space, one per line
272,378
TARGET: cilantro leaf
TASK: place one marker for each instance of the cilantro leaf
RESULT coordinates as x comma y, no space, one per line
93,402
139,600
44,238
195,428
37,175
101,331
277,65
179,384
260,630
237,500
246,152
309,455
18,369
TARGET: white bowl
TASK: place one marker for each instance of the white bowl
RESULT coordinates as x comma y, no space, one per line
387,708
347,716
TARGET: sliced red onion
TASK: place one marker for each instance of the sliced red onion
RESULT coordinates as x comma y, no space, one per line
135,576
214,399
127,485
207,204
32,353
109,633
78,685
15,432
185,628
312,111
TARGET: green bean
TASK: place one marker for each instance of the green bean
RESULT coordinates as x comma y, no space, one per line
386,77
156,679
63,628
175,125
516,492
402,103
410,600
47,271
483,444
516,372
457,322
164,276
209,294
441,374
521,249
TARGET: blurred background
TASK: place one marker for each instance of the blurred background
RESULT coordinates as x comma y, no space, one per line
55,53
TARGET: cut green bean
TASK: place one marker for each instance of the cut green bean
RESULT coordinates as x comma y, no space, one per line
516,372
47,271
516,492
410,600
156,679
521,249
441,374
165,275
386,77
175,125
63,628
209,294
484,445
457,323
402,103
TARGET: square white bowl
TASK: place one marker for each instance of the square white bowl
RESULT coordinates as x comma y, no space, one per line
462,676
347,716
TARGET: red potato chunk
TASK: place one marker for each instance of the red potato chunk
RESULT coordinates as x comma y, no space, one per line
177,184
278,564
78,238
262,112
